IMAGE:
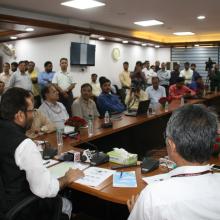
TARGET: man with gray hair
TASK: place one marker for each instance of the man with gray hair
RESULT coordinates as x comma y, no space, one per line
191,190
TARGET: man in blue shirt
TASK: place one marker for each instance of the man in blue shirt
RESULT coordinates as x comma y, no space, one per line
195,73
197,85
46,77
107,101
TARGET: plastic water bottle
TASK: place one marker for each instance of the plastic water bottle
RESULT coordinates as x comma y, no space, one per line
90,126
166,107
107,118
59,134
182,101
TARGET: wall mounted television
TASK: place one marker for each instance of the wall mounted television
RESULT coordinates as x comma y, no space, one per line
82,54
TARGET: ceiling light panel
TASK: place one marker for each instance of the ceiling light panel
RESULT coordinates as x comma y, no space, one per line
83,4
183,33
148,23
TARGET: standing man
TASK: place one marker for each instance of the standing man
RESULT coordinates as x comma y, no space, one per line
46,77
164,77
191,190
174,75
187,73
64,84
6,75
96,89
149,73
124,77
195,73
20,78
35,86
21,165
14,67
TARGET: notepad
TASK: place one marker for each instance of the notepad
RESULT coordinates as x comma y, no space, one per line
124,179
60,169
156,178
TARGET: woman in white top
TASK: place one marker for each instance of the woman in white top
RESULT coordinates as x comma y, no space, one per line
55,111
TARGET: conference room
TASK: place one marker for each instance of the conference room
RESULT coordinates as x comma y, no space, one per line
109,109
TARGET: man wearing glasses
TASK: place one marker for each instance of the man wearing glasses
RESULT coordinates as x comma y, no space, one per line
21,166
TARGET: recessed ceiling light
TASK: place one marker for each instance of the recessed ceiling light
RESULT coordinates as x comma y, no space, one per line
157,46
183,33
83,4
13,37
29,29
101,38
144,44
201,17
136,42
148,23
196,45
124,41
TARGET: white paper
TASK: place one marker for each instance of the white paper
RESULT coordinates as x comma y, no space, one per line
94,176
156,178
60,169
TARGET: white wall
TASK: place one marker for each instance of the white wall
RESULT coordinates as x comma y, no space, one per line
54,47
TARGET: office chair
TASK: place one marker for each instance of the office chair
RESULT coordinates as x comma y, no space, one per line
44,209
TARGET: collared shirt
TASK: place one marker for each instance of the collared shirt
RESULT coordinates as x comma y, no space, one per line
41,182
174,76
56,113
149,73
96,89
41,124
176,93
196,86
63,80
187,197
155,95
187,74
132,101
83,108
44,78
195,74
6,78
110,103
20,80
35,86
125,79
164,77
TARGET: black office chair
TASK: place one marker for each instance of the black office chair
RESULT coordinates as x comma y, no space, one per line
44,209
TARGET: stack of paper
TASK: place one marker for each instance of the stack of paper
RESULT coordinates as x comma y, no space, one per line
124,179
94,176
156,178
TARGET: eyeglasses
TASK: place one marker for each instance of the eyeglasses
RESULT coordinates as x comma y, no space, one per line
31,110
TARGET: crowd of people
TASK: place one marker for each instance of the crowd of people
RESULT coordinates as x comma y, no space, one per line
32,103
53,91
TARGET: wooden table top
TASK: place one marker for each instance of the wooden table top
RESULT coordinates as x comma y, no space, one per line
106,191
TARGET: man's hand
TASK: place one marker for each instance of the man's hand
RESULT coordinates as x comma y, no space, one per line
70,176
131,202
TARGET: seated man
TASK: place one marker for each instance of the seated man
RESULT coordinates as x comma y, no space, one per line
40,124
192,189
134,96
85,106
155,92
107,101
178,90
197,85
51,108
21,165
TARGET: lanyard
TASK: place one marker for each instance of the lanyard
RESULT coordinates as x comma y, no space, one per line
193,174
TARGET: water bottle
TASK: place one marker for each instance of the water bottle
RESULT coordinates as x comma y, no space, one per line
107,118
182,101
90,126
59,134
166,107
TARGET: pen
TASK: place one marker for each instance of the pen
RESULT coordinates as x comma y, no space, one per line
47,162
121,174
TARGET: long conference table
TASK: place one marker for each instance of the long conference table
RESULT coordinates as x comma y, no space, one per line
118,133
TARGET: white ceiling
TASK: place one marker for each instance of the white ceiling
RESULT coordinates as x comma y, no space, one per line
177,15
